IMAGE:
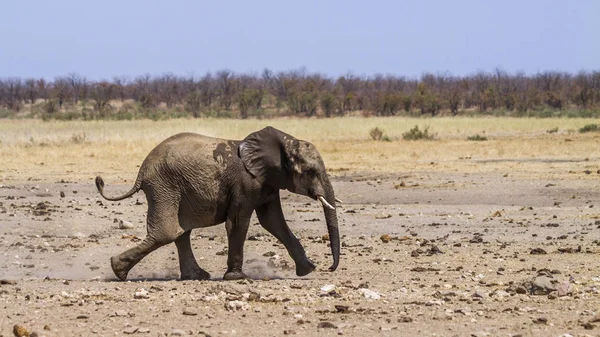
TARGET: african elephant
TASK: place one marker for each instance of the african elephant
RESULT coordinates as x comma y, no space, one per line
193,181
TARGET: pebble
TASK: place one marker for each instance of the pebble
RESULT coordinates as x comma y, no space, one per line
130,330
385,238
370,294
121,313
190,312
141,293
328,289
326,325
342,308
542,285
236,305
124,224
178,332
20,331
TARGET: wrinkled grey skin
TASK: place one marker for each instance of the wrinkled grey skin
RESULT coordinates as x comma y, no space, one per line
193,181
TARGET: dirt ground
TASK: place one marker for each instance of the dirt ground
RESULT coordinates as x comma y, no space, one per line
505,248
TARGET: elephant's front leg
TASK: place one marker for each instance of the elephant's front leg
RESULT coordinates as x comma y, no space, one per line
190,270
271,218
237,228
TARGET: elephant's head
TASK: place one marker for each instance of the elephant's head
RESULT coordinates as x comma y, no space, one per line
281,161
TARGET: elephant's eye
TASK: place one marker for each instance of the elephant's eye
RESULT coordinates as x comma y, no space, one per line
310,173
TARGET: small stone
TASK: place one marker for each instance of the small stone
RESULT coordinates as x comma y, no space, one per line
540,320
537,251
385,238
289,332
190,312
124,224
178,332
121,313
20,331
130,330
405,319
370,294
588,326
236,305
62,194
328,289
342,308
326,325
542,285
141,293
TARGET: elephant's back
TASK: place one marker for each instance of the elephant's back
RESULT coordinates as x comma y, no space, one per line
187,155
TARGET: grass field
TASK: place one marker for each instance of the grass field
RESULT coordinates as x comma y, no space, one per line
50,151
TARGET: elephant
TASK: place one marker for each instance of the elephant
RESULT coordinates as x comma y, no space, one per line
195,181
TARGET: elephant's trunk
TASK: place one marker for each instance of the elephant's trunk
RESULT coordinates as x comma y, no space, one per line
332,224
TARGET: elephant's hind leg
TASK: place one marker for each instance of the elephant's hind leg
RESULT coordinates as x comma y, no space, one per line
163,228
121,264
190,270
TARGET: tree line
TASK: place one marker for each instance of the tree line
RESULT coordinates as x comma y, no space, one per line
300,93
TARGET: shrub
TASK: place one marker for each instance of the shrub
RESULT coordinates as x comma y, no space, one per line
553,130
418,134
79,138
477,137
376,134
590,128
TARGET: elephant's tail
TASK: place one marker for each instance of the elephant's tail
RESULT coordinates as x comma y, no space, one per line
136,187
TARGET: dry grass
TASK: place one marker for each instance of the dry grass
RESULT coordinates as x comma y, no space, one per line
77,151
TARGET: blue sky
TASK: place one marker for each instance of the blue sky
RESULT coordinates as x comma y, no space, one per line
102,39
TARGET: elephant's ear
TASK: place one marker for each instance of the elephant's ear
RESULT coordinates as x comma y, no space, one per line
265,154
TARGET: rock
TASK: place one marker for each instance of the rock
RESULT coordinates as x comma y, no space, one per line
405,319
563,288
537,251
78,235
370,294
121,313
141,293
20,331
130,330
124,224
326,325
521,290
190,312
328,289
499,294
236,305
385,238
62,194
588,326
434,250
9,282
479,294
344,309
542,285
178,332
540,320
289,332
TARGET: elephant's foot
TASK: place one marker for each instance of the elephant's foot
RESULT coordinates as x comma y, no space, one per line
196,274
120,268
234,275
304,267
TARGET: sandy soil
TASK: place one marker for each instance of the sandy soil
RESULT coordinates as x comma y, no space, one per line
425,253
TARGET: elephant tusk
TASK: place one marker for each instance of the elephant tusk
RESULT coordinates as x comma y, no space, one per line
338,200
325,203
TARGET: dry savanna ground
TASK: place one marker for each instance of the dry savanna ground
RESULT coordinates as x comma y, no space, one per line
447,237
